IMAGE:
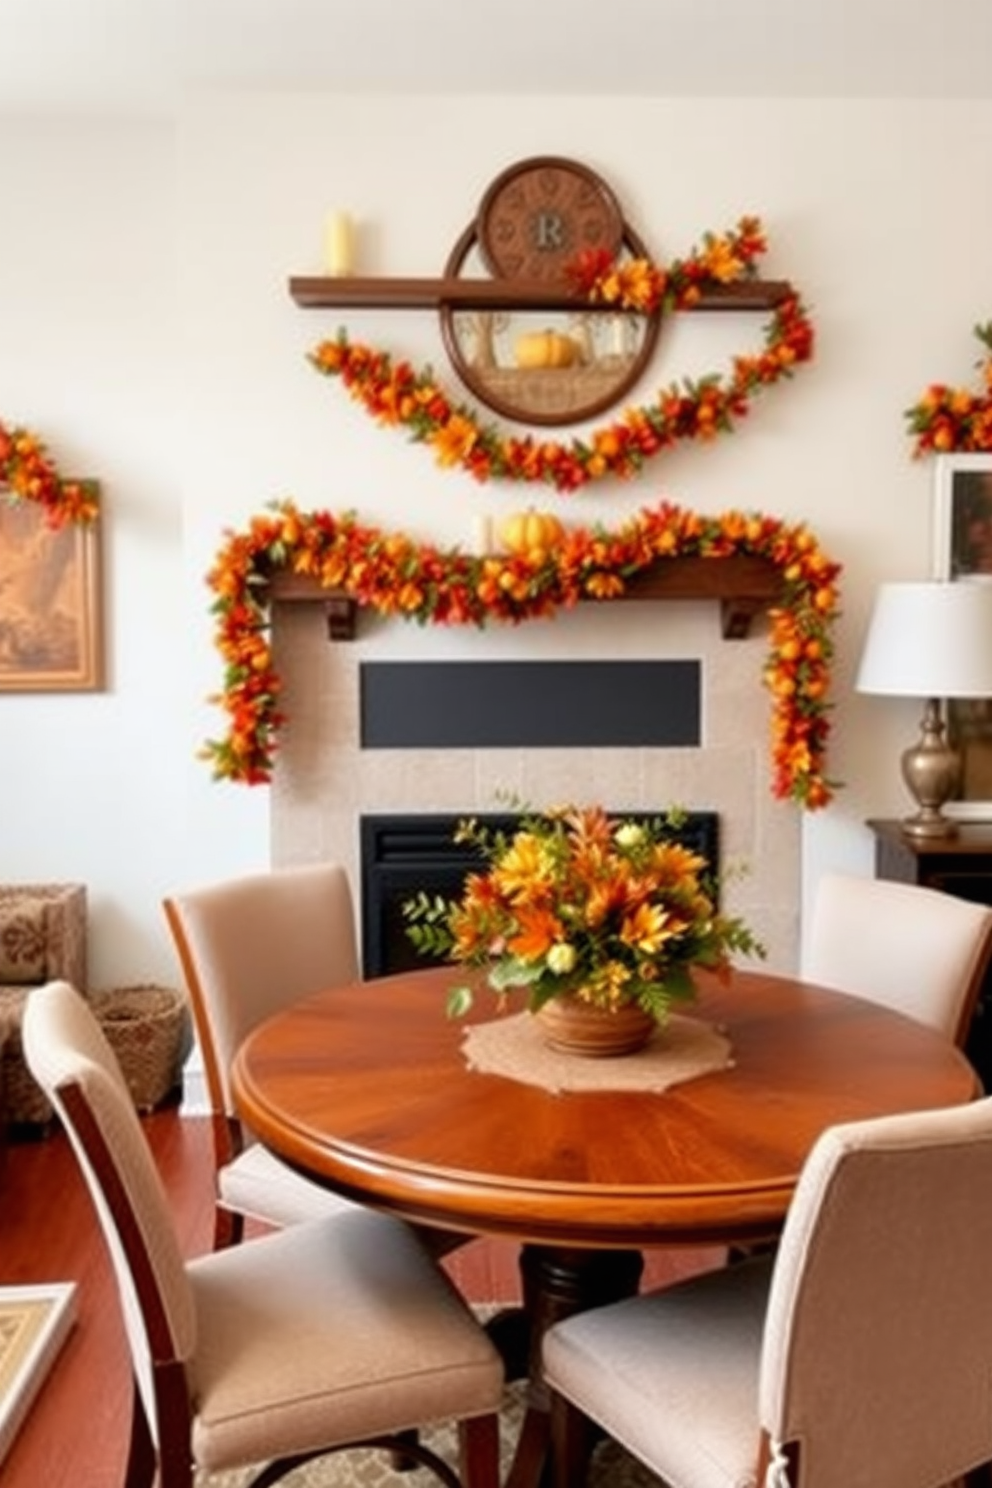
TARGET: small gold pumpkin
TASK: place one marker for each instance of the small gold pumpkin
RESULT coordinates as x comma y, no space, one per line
545,349
531,533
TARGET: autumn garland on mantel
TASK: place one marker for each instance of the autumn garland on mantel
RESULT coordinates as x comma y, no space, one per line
28,474
953,419
397,394
392,574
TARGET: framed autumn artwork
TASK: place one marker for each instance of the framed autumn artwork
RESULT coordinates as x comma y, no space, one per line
963,552
50,610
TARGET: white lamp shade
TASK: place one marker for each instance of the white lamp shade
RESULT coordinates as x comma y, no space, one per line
929,640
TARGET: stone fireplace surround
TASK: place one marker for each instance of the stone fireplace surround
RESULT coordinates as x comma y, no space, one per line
324,781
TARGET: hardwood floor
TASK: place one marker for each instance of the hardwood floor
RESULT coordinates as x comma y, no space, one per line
76,1433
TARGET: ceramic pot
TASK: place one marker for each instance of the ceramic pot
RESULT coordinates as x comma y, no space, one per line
575,1027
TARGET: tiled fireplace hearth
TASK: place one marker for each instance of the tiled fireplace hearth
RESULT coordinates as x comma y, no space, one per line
326,780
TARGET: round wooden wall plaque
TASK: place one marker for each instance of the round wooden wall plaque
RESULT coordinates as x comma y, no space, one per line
541,213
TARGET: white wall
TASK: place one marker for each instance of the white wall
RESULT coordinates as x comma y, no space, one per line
146,331
92,784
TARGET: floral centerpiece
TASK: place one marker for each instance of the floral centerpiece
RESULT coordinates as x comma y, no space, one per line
611,913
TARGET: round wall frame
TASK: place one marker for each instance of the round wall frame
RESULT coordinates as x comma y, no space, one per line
546,366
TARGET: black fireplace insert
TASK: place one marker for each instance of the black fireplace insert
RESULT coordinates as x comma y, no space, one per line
402,854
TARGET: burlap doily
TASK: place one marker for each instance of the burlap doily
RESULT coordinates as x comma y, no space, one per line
683,1049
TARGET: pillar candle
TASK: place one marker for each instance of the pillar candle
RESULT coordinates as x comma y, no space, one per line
339,245
483,536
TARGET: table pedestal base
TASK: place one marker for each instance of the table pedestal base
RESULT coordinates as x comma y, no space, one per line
557,1282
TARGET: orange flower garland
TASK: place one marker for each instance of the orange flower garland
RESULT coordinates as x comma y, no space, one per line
393,575
396,394
28,474
948,419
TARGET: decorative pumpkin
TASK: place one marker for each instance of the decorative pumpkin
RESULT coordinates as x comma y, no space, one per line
531,532
545,349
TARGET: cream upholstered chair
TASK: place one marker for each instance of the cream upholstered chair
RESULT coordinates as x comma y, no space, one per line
914,949
861,1353
248,947
315,1337
918,950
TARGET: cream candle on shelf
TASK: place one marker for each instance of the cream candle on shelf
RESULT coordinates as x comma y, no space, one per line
483,536
339,245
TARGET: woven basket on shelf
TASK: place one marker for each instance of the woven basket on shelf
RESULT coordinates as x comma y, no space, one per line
148,1029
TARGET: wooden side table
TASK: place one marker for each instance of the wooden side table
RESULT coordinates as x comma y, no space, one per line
960,864
3,1097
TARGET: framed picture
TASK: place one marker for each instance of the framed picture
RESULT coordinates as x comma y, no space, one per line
963,551
50,630
963,517
34,1322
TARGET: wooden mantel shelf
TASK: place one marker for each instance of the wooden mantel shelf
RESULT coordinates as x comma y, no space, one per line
744,586
505,294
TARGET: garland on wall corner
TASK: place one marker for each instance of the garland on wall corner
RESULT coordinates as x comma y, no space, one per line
954,419
27,473
393,575
396,394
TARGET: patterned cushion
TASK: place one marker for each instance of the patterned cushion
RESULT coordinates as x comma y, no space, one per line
23,941
42,937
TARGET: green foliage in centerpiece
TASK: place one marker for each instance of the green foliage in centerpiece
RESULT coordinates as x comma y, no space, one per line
572,902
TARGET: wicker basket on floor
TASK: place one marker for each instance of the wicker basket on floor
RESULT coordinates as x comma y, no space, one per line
148,1029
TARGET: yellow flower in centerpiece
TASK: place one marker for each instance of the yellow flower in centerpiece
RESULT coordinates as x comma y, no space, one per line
523,868
647,929
577,903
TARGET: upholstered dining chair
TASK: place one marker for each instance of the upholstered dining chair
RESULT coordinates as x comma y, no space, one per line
916,949
859,1353
911,948
316,1337
248,947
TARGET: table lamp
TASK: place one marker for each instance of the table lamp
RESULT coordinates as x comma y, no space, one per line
930,640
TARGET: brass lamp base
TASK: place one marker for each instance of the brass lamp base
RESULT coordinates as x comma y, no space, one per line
932,771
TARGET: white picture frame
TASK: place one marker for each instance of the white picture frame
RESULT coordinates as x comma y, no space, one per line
962,551
962,546
34,1323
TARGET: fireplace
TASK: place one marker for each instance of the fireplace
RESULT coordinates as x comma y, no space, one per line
328,776
402,854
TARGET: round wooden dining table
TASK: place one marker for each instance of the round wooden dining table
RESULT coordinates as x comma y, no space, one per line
367,1088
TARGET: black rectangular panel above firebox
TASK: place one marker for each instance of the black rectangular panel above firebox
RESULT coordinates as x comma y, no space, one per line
529,704
402,854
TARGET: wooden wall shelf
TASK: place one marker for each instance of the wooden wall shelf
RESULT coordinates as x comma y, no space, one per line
504,294
744,586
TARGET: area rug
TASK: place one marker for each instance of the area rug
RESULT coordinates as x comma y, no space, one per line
34,1321
361,1468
